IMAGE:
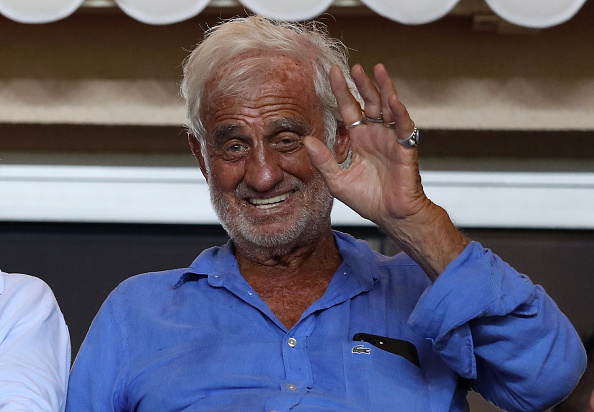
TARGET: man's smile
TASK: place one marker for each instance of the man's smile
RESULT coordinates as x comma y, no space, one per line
270,202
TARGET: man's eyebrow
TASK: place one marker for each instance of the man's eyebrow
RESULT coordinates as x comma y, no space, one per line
222,132
291,124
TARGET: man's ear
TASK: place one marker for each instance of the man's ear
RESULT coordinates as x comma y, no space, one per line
197,150
342,144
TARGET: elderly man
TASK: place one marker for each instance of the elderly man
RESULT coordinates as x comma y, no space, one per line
290,315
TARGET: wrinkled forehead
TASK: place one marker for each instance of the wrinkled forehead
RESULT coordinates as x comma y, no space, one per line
246,76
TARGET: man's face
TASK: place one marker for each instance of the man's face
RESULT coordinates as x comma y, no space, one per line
263,186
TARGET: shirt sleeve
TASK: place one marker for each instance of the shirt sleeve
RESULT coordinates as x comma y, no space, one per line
34,349
492,325
94,375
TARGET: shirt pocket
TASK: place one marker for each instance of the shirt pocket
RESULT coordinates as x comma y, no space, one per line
377,380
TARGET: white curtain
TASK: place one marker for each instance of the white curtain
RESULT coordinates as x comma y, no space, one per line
528,13
35,11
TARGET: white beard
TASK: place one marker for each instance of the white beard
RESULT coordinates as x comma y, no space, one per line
309,223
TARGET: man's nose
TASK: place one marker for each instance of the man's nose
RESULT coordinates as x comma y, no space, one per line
262,169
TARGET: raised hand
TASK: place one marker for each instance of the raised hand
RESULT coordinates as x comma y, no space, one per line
383,183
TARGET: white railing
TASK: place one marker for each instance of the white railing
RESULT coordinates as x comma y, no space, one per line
179,195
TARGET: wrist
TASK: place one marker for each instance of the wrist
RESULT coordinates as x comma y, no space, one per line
429,237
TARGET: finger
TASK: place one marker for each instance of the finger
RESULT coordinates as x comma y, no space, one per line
368,91
322,159
393,109
349,107
386,89
404,124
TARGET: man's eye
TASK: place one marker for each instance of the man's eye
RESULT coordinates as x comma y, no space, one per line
287,143
235,148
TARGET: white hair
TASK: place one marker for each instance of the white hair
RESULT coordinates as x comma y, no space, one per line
232,56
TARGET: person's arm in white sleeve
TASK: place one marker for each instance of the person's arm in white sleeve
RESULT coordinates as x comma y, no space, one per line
34,346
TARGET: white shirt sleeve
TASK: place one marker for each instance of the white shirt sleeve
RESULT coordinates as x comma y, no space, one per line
34,346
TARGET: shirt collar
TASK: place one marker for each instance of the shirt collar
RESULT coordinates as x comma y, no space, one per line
217,263
213,263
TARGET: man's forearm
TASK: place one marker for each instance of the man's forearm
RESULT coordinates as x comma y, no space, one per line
429,237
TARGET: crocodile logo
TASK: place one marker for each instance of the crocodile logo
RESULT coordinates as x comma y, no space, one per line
360,349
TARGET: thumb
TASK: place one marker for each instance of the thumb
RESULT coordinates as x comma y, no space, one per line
321,157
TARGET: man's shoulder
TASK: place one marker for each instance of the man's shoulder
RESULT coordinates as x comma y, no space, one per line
148,281
160,287
142,293
362,250
400,269
384,271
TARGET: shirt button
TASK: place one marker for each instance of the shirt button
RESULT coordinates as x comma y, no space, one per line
292,387
292,342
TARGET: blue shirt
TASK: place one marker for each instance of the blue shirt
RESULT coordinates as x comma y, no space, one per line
200,339
34,346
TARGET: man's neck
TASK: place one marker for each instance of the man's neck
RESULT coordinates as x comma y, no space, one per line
291,282
281,259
